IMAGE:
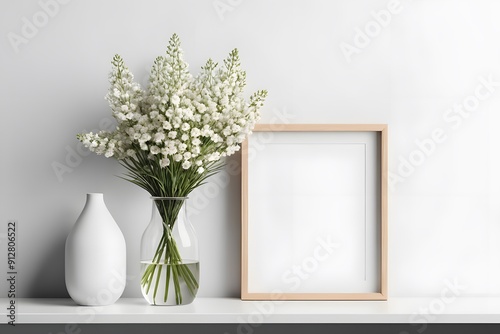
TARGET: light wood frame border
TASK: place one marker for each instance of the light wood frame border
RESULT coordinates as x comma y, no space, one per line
381,130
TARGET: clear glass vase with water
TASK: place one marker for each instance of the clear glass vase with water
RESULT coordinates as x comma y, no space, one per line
170,267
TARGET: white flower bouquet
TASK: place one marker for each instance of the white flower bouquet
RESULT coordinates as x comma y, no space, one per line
172,136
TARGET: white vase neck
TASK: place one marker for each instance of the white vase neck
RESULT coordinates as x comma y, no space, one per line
95,198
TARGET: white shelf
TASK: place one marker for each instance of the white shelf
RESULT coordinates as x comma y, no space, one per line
232,310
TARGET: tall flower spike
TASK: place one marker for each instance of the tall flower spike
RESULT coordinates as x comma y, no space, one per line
178,68
158,89
124,95
232,62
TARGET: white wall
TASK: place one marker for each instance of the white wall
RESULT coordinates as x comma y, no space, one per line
433,54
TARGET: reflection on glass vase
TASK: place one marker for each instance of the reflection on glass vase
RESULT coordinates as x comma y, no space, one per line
169,254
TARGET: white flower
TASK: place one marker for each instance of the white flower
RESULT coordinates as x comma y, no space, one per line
201,108
226,131
216,138
186,164
177,122
169,151
154,149
200,170
159,137
240,138
145,137
170,144
175,100
164,162
178,157
195,150
232,149
195,132
185,127
167,125
172,134
214,156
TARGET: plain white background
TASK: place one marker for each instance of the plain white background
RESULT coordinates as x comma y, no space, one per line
429,57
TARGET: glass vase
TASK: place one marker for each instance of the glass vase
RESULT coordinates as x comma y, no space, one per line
169,254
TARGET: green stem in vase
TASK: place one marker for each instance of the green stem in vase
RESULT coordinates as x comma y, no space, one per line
167,282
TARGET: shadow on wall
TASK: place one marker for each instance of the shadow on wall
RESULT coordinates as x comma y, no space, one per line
48,280
232,279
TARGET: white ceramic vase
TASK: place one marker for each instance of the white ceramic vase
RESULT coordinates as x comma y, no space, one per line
95,256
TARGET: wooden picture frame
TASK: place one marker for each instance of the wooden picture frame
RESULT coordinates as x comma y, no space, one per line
283,213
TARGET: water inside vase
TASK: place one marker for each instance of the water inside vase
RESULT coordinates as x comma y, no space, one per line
182,284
